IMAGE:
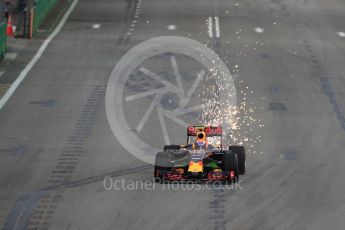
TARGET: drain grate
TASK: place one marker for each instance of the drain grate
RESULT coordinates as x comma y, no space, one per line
277,107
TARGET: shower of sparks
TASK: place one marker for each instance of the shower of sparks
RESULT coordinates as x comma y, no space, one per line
217,105
239,121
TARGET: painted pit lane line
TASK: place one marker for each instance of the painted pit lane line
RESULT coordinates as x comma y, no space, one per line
213,27
210,29
216,21
37,56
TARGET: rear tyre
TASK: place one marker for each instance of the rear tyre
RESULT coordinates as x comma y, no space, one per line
241,157
230,163
162,163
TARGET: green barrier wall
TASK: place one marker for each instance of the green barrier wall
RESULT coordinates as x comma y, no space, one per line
42,8
3,39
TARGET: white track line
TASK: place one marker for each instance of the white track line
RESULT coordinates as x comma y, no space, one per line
216,21
37,56
210,29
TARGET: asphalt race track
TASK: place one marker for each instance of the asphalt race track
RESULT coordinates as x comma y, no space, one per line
287,58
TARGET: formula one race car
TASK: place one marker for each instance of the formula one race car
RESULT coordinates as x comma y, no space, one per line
202,158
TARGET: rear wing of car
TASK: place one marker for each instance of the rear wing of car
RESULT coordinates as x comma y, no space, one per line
210,131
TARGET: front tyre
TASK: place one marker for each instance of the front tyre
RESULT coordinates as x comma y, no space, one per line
162,164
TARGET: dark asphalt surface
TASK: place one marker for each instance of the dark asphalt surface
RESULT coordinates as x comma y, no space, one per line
56,145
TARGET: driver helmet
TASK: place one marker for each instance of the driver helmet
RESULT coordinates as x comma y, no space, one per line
200,140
